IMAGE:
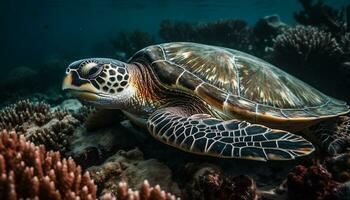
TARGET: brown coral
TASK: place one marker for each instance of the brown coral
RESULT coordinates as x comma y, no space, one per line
146,192
22,114
311,183
210,184
339,166
55,134
39,124
25,114
28,171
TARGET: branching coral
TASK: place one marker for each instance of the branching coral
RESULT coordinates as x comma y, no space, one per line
55,134
310,183
146,192
22,114
321,15
28,171
39,124
228,33
336,22
306,47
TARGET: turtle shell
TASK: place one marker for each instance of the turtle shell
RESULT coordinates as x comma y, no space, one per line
239,85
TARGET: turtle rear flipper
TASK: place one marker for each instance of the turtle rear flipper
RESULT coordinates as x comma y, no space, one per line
227,139
333,135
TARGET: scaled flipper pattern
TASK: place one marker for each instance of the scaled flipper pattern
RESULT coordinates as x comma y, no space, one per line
227,139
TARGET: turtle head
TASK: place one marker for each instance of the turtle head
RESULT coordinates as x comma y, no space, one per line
101,81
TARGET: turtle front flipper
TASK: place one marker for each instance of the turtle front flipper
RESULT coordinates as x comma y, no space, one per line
227,139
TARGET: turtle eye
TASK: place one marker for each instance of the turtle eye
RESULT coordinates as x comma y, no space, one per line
91,70
94,71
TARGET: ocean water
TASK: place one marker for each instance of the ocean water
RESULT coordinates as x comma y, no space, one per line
36,33
308,39
33,32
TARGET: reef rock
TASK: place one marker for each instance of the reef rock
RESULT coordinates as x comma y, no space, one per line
71,105
131,167
91,144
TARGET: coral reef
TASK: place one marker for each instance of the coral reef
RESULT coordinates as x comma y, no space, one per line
130,42
321,15
334,134
306,47
92,143
313,55
228,33
311,183
39,124
146,192
55,134
209,183
177,31
339,166
265,31
133,169
333,21
28,171
342,192
23,114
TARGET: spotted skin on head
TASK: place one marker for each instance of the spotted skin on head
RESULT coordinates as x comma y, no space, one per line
107,77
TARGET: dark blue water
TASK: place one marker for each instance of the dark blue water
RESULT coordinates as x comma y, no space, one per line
36,31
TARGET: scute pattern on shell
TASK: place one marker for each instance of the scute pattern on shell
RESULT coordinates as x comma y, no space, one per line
243,75
235,82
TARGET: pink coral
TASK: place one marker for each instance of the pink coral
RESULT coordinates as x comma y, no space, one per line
28,171
146,192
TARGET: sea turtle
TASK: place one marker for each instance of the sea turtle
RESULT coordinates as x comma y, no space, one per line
207,100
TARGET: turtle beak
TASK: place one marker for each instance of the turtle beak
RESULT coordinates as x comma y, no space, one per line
84,91
67,82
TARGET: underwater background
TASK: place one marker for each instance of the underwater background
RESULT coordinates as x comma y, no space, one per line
309,39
